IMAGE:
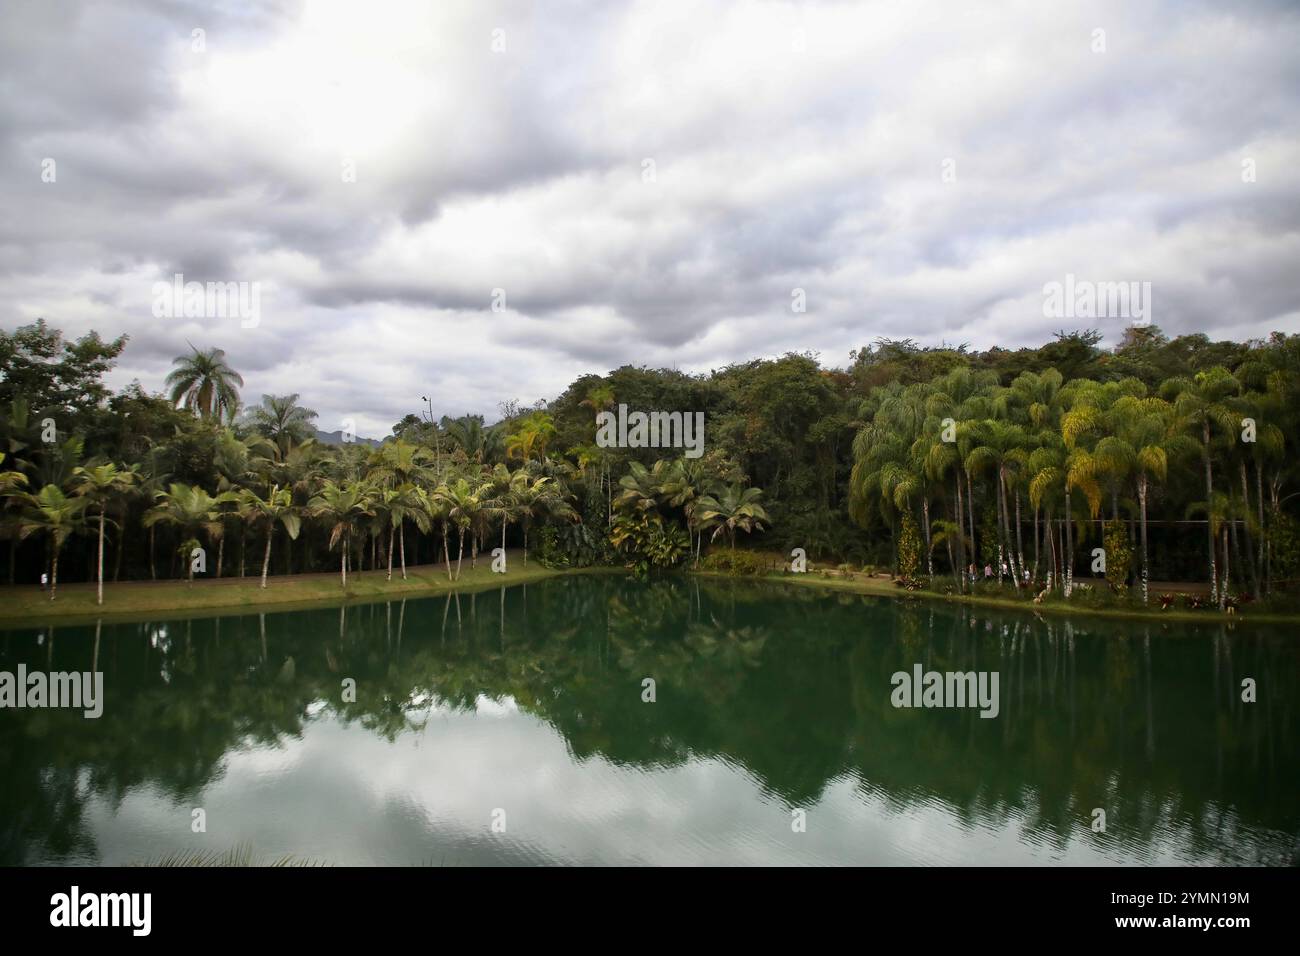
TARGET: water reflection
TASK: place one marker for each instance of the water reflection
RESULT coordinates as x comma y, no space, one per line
529,700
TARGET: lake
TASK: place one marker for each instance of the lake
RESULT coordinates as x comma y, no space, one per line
515,726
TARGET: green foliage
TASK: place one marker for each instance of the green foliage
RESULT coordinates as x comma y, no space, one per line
647,542
1119,555
909,549
741,563
1285,538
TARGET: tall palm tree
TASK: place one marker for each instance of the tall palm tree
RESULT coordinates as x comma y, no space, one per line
406,502
1004,448
276,508
461,507
601,398
1152,431
204,383
402,466
342,506
282,420
1202,402
733,509
540,498
103,485
58,516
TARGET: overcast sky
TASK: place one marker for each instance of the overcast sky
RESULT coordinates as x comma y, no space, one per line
647,182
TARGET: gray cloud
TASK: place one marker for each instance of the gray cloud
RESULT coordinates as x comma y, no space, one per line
793,145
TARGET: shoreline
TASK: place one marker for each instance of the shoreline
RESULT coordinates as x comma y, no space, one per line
887,589
27,606
126,601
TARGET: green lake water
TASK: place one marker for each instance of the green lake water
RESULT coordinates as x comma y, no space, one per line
521,710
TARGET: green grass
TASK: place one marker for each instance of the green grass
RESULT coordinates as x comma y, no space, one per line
146,599
885,587
76,602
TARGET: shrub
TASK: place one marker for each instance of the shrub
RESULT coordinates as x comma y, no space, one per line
734,562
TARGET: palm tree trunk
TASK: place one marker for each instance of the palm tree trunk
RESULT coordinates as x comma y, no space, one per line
1209,525
1037,534
390,553
970,513
1068,574
460,550
221,551
961,537
1223,589
1003,546
929,552
243,535
1142,508
343,561
99,596
54,571
1049,540
401,533
1020,543
1264,533
266,556
153,575
1252,566
446,557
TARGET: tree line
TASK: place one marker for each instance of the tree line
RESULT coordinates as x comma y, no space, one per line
1174,456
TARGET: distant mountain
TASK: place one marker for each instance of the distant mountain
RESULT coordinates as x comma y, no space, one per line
336,438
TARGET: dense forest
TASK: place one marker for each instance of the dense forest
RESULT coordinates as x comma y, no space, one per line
1175,457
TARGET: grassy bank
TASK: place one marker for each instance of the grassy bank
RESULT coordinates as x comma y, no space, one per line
136,599
885,587
28,605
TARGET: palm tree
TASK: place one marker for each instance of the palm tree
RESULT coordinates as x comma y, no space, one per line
1151,430
1201,402
530,435
204,383
102,485
57,515
682,487
343,505
539,498
479,442
276,507
735,508
194,511
282,420
601,398
10,481
403,503
460,506
401,465
1002,446
644,488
